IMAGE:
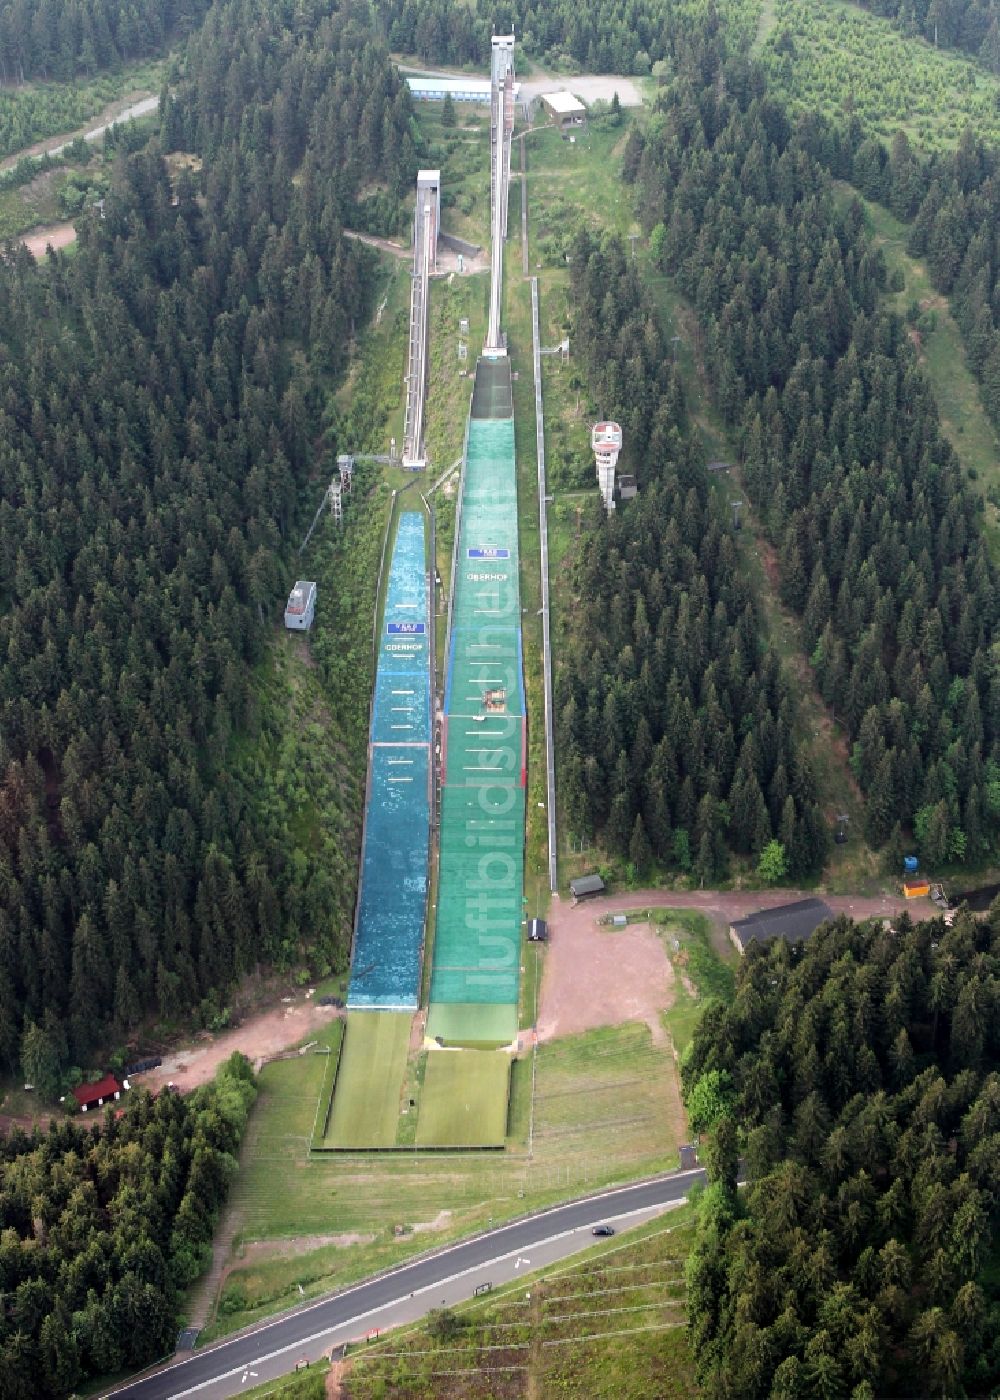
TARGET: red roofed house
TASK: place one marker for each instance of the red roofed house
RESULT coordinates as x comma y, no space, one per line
94,1095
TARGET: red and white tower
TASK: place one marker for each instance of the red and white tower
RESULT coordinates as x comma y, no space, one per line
606,440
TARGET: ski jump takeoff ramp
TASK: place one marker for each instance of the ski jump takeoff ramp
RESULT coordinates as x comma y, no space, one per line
477,940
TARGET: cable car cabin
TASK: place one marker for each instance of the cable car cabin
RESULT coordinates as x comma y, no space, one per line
301,606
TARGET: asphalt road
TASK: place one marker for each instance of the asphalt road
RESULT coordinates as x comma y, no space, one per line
406,1294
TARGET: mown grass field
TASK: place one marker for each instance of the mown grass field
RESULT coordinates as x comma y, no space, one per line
366,1102
463,1099
836,58
611,1327
597,1118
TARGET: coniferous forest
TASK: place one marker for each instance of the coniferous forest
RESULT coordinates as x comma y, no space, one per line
165,417
950,200
160,406
972,25
602,36
857,1078
56,40
104,1227
676,725
879,540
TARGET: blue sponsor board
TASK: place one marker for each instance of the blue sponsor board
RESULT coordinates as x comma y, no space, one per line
488,552
405,629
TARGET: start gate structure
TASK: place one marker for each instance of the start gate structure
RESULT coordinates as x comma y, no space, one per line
501,130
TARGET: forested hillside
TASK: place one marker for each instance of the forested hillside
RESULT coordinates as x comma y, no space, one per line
878,537
60,39
952,201
105,1225
676,726
957,230
160,409
859,1077
603,36
972,25
917,132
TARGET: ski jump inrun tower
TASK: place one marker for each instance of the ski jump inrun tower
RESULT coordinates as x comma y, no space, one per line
501,128
426,228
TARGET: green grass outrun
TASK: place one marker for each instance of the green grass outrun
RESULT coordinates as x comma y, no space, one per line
463,1102
373,1063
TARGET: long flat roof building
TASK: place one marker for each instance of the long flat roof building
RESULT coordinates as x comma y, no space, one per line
793,922
434,89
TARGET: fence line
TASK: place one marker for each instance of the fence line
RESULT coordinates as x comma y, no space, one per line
543,533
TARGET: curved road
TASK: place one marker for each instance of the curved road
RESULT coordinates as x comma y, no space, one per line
406,1293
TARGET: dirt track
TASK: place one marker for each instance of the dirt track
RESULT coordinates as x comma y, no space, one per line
55,235
601,977
259,1037
727,905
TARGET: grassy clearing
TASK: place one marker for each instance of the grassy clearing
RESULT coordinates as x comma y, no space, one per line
366,1102
36,111
611,1326
453,299
463,1102
369,404
574,184
461,153
836,58
599,1118
942,353
702,974
766,22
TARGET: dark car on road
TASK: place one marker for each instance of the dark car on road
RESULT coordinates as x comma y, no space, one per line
603,1230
